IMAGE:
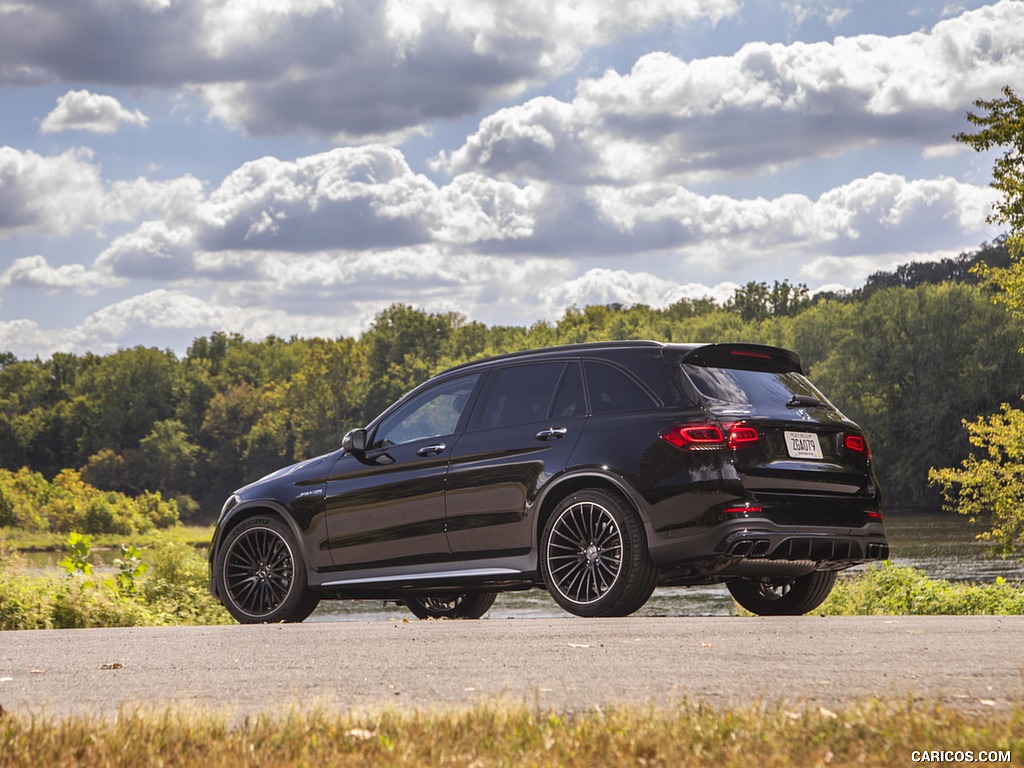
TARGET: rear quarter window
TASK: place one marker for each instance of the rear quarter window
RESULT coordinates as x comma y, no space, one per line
612,390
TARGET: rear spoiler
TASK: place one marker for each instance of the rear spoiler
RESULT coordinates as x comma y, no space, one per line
748,357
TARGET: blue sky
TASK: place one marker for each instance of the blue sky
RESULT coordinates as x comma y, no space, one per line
170,168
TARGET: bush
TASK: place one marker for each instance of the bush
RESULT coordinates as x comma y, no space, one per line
173,591
889,589
177,586
29,502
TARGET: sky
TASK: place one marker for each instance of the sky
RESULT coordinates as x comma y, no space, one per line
172,168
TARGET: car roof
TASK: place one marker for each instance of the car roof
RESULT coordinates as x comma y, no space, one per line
698,352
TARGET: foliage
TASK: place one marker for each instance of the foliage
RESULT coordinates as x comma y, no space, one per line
991,479
29,501
1003,126
231,410
889,589
129,568
866,733
756,301
177,587
79,555
989,484
172,589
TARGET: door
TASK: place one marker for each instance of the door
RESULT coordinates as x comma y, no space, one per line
386,506
523,431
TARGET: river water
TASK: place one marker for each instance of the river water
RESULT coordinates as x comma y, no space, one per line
942,545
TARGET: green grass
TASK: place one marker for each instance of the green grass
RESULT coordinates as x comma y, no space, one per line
37,541
869,733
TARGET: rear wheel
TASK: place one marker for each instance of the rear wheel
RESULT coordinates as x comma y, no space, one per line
594,556
461,606
783,597
261,574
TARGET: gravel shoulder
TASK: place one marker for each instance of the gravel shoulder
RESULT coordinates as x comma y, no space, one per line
970,662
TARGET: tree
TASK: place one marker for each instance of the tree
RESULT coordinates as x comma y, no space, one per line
989,483
1003,127
756,301
990,480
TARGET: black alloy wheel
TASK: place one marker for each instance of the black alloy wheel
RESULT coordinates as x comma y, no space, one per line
783,597
594,556
461,606
261,574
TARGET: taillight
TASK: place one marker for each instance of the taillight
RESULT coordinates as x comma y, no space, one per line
857,444
710,437
742,435
695,437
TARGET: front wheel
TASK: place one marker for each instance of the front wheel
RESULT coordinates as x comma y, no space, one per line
594,556
460,606
261,574
783,597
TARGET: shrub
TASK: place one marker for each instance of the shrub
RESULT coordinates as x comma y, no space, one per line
900,590
177,586
29,502
173,591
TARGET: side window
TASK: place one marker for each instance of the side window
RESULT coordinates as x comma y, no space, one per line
612,390
431,413
570,400
521,394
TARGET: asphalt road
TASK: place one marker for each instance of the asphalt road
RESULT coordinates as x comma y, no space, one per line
976,663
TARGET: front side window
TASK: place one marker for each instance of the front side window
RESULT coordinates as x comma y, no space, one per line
431,413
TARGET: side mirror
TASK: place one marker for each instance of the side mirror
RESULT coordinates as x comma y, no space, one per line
354,441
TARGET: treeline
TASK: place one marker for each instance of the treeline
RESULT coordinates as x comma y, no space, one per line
907,361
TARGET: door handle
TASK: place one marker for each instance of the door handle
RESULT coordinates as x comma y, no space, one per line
430,450
552,433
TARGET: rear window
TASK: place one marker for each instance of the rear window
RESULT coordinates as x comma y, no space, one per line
746,387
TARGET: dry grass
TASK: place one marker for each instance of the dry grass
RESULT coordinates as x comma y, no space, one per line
868,734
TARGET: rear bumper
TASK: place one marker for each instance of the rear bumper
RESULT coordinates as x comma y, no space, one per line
750,540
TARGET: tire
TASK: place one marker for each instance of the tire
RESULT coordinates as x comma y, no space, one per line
594,556
785,597
461,606
261,575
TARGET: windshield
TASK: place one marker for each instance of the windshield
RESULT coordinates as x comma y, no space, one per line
732,386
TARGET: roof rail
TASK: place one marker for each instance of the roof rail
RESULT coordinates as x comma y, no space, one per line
581,347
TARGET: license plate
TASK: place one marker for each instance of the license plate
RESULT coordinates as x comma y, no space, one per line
803,445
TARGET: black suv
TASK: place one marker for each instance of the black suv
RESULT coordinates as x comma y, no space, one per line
598,471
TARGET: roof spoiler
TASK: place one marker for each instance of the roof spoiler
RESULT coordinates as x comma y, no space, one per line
751,357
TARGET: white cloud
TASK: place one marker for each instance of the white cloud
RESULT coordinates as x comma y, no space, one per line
58,195
54,195
85,111
348,199
332,67
362,202
35,273
762,108
619,286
